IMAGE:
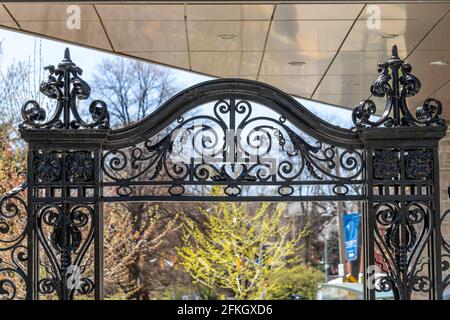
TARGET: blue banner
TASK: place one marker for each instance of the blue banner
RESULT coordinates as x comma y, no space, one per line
351,230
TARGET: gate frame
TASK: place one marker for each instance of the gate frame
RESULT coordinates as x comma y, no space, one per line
400,176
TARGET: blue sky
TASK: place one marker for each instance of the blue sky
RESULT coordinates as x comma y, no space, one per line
20,47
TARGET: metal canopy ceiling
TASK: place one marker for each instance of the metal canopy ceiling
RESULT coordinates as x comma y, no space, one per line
325,52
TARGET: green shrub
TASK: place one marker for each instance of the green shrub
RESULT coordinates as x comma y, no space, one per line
300,279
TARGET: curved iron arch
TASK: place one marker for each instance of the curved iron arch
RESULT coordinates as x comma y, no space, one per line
208,91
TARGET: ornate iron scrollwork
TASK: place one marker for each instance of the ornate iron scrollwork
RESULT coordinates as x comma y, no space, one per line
232,147
445,285
397,83
64,228
65,233
13,250
65,85
401,237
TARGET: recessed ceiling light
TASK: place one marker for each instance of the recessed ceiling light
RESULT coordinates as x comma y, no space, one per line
439,63
351,85
228,36
388,36
296,63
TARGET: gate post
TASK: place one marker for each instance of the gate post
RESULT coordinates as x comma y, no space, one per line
402,217
64,188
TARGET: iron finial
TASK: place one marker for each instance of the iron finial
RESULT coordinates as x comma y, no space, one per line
67,54
65,85
394,51
396,83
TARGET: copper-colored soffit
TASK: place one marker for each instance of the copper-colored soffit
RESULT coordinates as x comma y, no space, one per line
326,52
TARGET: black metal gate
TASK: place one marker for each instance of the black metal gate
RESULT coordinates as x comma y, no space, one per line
251,140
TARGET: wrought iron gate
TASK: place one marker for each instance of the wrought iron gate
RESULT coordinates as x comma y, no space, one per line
251,140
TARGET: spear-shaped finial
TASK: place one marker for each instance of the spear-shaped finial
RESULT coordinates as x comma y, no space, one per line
67,54
66,62
394,51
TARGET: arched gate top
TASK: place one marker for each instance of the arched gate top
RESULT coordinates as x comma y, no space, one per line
214,90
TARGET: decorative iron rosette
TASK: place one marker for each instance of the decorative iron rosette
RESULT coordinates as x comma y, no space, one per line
65,85
396,83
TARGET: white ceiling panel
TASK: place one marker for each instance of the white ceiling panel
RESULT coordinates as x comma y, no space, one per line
135,12
317,11
229,12
307,35
147,35
177,59
291,63
409,32
245,35
96,37
226,64
50,11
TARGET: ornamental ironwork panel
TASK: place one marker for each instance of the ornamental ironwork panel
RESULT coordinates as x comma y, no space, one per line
403,217
240,145
65,224
250,141
14,279
445,219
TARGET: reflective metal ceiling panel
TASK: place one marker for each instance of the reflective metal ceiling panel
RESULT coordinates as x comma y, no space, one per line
215,12
307,35
317,11
327,51
127,12
147,35
227,35
226,64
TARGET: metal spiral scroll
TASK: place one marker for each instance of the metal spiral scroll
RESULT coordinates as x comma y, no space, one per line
13,250
401,238
65,235
65,85
445,253
232,153
396,83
